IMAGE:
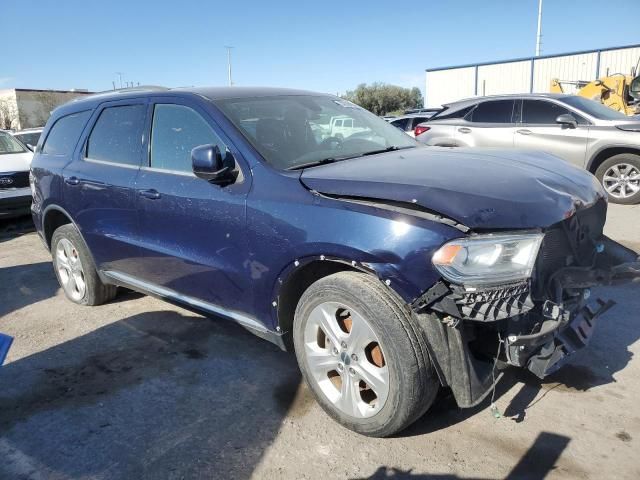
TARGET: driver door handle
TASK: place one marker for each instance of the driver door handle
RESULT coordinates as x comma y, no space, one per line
464,130
524,131
151,194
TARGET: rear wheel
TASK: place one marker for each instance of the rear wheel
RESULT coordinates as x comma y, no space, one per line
620,176
75,269
362,354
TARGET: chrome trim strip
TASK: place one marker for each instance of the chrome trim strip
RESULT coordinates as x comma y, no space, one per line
242,319
113,164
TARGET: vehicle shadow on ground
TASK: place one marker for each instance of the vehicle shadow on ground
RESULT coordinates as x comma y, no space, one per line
23,285
156,395
15,227
538,461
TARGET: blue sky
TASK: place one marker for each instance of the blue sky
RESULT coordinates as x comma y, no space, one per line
328,46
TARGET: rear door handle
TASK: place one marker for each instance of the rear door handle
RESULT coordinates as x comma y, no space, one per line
72,181
464,130
151,194
524,131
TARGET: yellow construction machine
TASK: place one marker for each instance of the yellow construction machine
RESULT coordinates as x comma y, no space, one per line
618,91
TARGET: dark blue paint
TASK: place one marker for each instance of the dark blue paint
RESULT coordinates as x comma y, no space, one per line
235,246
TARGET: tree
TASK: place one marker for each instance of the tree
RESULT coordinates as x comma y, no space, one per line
8,114
382,98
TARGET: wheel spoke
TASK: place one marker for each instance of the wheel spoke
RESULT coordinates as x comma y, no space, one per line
349,396
326,319
320,361
633,187
360,335
376,378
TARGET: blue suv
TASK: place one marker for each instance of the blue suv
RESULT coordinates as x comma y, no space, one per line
390,268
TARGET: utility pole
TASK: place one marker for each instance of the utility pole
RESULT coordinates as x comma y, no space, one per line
120,75
539,35
228,47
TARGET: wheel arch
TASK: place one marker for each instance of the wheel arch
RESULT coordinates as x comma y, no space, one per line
598,158
298,277
54,217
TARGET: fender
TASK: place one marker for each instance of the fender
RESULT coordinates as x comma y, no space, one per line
631,148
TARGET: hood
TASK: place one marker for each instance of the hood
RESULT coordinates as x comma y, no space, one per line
482,189
15,162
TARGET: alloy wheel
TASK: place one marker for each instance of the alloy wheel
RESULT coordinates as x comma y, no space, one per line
70,270
622,180
346,360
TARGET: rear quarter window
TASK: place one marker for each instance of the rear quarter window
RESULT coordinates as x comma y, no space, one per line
63,136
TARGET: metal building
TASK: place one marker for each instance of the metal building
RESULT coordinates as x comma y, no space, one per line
531,74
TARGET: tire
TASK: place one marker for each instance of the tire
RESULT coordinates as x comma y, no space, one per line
367,314
74,267
623,165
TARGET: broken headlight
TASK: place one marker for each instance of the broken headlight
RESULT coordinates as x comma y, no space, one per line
488,259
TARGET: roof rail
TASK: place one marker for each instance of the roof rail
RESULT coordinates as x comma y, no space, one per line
139,88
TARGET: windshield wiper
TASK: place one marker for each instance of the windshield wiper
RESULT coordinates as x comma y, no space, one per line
392,148
324,161
315,163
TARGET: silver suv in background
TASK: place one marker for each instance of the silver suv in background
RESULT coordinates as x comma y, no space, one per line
579,130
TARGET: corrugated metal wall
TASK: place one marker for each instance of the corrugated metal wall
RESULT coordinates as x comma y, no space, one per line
619,61
511,77
449,85
516,76
571,67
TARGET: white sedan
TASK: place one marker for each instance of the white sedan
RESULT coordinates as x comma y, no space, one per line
15,161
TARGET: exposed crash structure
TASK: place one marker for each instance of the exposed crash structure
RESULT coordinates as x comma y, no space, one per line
536,324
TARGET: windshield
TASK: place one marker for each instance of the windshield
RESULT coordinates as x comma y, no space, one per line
595,109
302,130
8,144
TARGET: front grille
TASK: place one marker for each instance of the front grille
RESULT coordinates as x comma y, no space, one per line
14,180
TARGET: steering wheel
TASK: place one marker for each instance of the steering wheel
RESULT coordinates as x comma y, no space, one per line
331,143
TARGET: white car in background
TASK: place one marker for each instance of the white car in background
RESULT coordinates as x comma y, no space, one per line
15,162
29,137
409,123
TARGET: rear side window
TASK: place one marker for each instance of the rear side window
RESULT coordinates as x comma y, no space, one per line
497,111
117,135
448,113
402,124
175,132
64,134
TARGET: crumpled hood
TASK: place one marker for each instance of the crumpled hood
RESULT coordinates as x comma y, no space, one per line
480,188
15,162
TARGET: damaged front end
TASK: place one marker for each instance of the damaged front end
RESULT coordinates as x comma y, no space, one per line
475,329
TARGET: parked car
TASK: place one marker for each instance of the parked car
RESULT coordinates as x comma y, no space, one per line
579,130
408,123
29,137
15,194
390,268
429,112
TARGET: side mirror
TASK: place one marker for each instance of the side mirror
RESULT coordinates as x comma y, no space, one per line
567,120
208,164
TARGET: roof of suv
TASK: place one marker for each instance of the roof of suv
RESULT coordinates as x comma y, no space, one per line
211,93
472,100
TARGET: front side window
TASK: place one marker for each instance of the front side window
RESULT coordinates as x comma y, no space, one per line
497,111
175,132
541,112
117,135
29,138
8,144
63,136
299,131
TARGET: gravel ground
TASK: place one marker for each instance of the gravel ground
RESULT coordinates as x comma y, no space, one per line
141,389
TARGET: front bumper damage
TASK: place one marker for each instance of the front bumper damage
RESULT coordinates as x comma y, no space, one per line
473,334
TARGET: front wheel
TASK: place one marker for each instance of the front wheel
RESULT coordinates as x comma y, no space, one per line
362,354
620,176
